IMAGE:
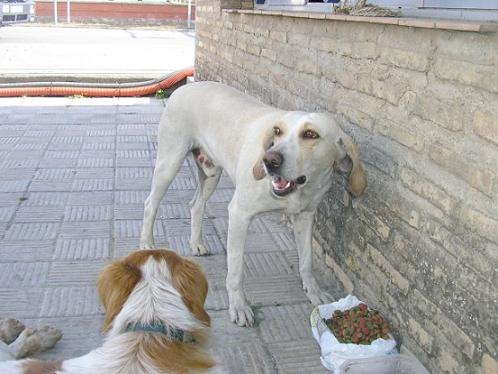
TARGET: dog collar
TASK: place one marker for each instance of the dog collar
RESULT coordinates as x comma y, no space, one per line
171,332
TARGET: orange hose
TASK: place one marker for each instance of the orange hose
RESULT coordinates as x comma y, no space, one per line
51,89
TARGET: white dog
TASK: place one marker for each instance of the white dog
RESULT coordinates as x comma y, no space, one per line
278,161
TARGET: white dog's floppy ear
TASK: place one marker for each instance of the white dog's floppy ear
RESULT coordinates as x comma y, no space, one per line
258,171
351,164
345,165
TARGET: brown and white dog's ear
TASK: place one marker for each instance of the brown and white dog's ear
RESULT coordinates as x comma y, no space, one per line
114,285
191,282
351,165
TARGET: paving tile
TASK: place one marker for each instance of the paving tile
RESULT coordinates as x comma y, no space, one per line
286,322
94,173
130,197
92,248
3,228
132,228
183,183
260,242
54,174
221,195
244,358
72,345
13,173
181,227
127,212
217,298
26,250
212,265
99,139
32,231
70,301
217,209
179,196
88,213
61,155
134,173
98,146
84,229
108,154
15,164
133,184
226,333
276,290
67,139
267,264
173,211
133,146
124,246
39,214
45,199
101,184
21,146
181,244
6,213
285,241
14,185
75,273
8,142
23,274
26,155
297,357
274,222
20,302
90,198
40,186
95,163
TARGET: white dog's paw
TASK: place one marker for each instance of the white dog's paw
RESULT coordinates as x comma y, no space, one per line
147,245
200,250
242,315
10,329
35,340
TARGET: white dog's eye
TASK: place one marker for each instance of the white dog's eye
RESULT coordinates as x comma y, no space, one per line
310,134
277,131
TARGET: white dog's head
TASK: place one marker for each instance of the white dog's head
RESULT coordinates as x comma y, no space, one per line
303,148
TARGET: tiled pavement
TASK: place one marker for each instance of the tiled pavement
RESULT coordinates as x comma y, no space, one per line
73,178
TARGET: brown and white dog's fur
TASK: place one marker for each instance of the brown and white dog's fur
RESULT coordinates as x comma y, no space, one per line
146,287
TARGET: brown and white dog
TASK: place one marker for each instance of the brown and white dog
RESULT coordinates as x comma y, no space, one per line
154,319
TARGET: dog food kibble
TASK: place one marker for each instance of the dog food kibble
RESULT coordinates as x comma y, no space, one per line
358,325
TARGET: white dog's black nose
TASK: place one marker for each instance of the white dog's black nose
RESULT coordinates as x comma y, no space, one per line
273,160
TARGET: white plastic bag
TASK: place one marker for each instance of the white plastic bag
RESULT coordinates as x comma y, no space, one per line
334,353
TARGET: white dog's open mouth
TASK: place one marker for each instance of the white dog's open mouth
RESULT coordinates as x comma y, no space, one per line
282,186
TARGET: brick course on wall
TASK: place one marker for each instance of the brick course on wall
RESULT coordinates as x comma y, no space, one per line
113,13
422,245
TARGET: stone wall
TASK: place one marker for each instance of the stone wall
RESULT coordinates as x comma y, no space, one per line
423,106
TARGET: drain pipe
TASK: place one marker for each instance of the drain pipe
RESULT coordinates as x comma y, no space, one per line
144,88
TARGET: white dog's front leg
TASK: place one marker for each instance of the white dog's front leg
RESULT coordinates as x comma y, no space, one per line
303,230
238,222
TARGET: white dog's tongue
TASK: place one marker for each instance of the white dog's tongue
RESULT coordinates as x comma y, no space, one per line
280,183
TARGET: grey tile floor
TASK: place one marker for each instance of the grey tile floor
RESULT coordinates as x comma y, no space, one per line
73,178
